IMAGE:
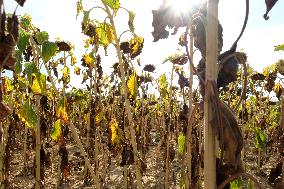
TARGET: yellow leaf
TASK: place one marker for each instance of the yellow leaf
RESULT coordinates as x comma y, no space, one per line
56,130
73,60
61,112
99,117
38,83
116,132
77,70
7,85
132,85
105,34
88,59
136,45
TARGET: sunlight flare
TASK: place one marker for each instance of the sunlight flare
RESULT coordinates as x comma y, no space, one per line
183,6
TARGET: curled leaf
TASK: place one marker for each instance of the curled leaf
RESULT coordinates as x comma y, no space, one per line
269,6
21,2
131,16
177,58
136,46
278,88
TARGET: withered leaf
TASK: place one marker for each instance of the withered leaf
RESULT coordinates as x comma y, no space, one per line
4,110
21,2
269,6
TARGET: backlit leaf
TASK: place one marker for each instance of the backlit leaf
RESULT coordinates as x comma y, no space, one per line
105,34
56,130
25,21
113,4
48,50
23,41
30,69
279,47
42,37
136,46
39,84
28,115
132,85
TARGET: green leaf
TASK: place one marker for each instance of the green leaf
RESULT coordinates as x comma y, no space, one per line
30,68
49,49
18,65
279,47
260,139
163,86
39,84
28,115
42,37
105,34
113,4
23,41
86,18
181,143
236,184
131,16
26,21
56,130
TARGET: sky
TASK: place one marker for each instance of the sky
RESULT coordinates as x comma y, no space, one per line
58,18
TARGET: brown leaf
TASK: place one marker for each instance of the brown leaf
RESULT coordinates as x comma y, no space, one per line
257,77
3,21
63,46
21,2
4,110
269,6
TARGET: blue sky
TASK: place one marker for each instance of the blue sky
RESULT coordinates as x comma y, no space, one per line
58,18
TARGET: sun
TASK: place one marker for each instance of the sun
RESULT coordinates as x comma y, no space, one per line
183,6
